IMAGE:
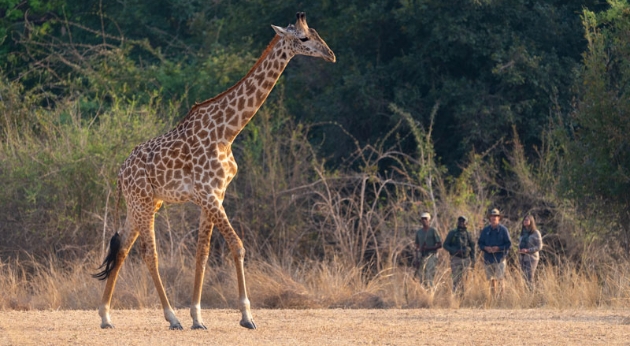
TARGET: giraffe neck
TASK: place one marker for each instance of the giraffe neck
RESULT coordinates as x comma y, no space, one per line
231,110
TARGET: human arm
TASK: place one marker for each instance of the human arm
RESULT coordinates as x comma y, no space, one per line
507,242
416,242
431,248
437,239
471,243
536,241
447,243
482,242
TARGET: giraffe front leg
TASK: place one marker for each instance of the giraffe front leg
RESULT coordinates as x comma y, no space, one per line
203,252
238,253
151,261
246,321
150,256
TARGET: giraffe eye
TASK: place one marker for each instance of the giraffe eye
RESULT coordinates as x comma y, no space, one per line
304,39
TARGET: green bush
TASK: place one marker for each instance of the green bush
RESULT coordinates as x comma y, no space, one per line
59,166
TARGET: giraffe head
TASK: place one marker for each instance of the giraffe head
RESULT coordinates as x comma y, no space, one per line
304,40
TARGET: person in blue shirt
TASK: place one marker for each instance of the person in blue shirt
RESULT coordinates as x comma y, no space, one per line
494,241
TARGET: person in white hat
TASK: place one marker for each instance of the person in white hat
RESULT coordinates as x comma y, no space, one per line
495,243
428,241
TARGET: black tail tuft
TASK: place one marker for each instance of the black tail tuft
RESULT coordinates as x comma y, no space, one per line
110,261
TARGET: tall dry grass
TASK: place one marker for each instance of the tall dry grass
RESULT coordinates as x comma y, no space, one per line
30,285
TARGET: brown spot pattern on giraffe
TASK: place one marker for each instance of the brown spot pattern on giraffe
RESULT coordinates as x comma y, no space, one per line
194,162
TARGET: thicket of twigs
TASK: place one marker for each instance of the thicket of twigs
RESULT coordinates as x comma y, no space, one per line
315,237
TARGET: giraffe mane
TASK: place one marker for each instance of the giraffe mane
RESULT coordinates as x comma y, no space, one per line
258,62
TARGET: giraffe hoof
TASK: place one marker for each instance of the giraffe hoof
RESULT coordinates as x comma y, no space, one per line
176,326
198,326
248,324
107,326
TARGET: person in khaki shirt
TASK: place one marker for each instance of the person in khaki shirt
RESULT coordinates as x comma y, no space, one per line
427,243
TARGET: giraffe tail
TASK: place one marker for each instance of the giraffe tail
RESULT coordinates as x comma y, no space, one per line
110,261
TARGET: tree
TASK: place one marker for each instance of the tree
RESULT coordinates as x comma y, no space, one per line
489,64
598,152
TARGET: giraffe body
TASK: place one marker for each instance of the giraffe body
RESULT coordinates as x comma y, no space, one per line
194,163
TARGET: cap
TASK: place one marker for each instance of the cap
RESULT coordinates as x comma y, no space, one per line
425,215
495,212
462,218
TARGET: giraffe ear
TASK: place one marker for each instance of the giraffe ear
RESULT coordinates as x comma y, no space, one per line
280,31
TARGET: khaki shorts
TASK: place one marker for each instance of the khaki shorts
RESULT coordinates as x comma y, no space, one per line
495,270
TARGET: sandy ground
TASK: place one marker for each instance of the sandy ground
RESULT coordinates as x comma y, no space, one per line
323,327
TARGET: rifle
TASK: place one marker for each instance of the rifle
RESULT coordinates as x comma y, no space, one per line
416,259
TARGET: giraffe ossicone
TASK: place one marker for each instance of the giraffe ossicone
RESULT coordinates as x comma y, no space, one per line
194,163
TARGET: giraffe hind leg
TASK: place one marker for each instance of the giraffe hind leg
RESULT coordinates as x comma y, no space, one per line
203,252
149,254
119,248
109,264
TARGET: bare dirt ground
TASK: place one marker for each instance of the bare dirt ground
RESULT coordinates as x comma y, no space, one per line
323,327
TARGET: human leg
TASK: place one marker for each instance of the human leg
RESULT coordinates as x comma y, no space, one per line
495,272
528,269
431,268
457,272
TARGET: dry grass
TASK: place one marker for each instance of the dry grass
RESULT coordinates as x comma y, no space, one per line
313,302
30,285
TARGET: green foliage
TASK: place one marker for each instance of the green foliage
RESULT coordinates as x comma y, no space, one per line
57,172
598,152
490,64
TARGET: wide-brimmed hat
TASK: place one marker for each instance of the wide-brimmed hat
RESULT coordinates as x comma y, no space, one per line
462,218
425,214
495,212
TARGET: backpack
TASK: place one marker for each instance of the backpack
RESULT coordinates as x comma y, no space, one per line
463,242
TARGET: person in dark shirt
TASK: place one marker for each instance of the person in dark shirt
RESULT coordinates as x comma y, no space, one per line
495,243
461,247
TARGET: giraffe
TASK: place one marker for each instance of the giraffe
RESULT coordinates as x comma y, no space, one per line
194,163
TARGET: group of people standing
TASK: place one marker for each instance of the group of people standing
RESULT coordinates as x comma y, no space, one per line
494,241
